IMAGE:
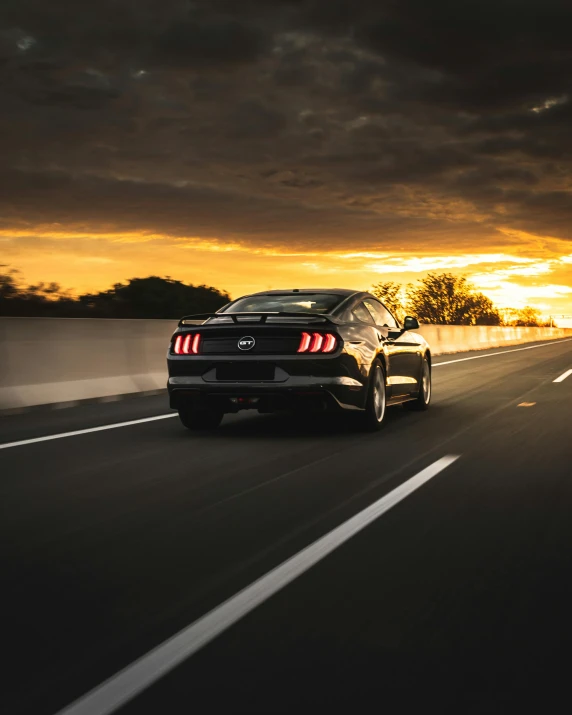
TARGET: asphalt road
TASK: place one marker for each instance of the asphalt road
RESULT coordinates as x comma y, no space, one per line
456,599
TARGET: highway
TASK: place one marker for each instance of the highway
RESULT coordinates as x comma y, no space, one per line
428,565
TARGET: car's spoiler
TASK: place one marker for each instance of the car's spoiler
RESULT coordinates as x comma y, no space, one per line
264,316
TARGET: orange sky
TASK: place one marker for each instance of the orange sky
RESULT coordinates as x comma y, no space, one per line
537,271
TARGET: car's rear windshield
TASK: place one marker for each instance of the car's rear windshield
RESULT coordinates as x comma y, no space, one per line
288,303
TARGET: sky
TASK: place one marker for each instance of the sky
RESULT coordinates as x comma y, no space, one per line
289,143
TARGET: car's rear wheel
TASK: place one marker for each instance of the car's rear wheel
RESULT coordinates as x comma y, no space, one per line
424,397
374,414
200,419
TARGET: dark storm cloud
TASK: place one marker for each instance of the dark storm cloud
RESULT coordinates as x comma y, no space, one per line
489,53
345,117
163,32
252,118
180,210
220,40
189,211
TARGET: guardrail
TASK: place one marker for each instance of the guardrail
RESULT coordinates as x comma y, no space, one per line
49,361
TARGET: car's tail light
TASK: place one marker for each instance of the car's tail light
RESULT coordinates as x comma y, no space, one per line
187,345
305,341
329,343
317,343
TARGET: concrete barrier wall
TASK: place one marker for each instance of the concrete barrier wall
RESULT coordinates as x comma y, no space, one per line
459,338
57,360
61,360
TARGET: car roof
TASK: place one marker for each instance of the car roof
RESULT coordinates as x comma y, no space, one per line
344,293
306,291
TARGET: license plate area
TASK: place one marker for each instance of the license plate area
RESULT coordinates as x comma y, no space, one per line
245,372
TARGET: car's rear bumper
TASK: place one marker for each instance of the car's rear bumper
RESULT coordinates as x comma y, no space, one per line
296,392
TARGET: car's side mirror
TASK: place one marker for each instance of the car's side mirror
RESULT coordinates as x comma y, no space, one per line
410,323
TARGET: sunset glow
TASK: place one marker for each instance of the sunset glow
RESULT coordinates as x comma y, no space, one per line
89,262
294,153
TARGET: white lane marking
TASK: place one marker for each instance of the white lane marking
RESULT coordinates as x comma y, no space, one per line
85,431
126,684
563,376
502,352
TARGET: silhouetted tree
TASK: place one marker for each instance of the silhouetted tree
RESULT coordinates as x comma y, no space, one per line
151,297
154,297
8,285
527,316
446,299
391,295
43,299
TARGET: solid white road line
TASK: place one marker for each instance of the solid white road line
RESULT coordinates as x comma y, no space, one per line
501,352
126,684
563,376
85,431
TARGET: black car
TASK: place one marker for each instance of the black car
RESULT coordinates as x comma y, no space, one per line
297,350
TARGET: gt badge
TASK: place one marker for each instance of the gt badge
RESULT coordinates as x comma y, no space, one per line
246,343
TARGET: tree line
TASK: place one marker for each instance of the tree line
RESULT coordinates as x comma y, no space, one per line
151,297
439,299
447,299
